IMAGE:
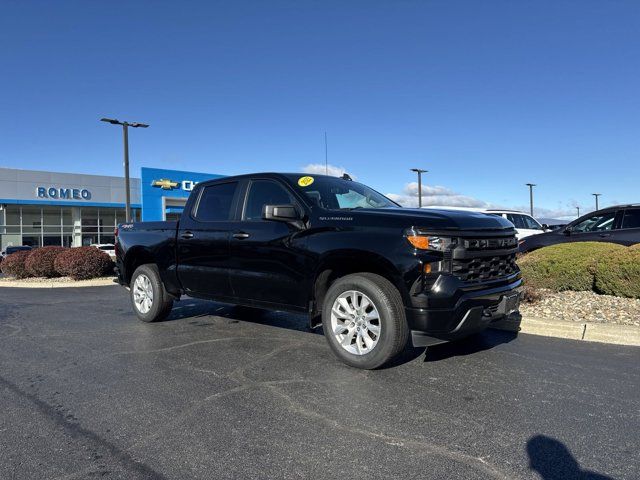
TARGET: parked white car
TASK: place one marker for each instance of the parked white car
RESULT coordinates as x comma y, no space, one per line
109,248
525,224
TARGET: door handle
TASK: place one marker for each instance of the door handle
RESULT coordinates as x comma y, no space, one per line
603,235
241,235
187,235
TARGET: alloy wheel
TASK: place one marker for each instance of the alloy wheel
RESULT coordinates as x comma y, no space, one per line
355,322
143,293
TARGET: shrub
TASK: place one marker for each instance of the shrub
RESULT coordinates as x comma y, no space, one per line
83,263
40,262
13,265
531,295
567,266
619,274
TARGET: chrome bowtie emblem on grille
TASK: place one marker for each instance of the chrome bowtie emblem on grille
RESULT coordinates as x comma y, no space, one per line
164,184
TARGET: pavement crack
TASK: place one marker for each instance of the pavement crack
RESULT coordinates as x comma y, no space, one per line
243,383
182,345
420,445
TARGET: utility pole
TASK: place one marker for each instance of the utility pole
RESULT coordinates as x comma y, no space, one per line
419,171
125,135
531,185
578,208
596,195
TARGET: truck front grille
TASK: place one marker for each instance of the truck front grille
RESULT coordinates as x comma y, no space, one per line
479,269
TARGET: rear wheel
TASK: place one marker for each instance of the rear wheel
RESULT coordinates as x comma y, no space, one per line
149,299
364,320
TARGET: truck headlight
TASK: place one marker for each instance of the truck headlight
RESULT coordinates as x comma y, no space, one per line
426,242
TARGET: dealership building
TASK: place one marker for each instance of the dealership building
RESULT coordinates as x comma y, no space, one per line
40,208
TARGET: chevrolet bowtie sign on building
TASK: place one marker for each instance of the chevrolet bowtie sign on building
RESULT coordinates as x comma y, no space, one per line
165,192
165,184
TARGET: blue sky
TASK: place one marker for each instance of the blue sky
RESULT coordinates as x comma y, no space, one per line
485,95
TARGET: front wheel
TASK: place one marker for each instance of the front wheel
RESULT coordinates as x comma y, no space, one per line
148,296
363,319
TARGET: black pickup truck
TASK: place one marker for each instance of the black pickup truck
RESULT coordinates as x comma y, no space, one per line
370,272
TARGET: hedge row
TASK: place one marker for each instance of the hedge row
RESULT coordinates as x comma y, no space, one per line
619,274
79,263
605,268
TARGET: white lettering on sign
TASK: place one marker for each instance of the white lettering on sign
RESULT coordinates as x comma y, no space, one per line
187,185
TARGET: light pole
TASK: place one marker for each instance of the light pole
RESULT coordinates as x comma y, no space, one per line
578,208
596,195
419,171
125,134
531,185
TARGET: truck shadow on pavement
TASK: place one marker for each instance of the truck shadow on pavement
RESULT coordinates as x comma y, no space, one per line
470,345
196,312
553,461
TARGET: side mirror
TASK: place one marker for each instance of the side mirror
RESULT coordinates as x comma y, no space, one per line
545,226
281,213
567,231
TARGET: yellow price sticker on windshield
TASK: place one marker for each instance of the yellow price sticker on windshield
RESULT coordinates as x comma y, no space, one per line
305,181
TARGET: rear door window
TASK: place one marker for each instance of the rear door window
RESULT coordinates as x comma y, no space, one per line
631,218
215,202
517,220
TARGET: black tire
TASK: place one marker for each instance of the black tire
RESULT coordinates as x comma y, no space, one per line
394,331
161,304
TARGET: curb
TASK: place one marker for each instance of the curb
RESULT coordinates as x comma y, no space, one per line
590,332
96,282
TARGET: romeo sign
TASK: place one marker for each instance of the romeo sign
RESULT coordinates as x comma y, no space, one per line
63,193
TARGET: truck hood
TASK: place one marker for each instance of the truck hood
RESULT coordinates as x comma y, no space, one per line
434,219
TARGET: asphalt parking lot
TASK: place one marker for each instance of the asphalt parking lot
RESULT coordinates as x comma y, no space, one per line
217,392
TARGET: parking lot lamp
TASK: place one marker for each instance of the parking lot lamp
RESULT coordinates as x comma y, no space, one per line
419,171
531,185
596,195
125,133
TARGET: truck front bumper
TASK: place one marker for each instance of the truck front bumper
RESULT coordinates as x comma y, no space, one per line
451,310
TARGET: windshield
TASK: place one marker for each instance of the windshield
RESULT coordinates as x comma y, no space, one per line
338,194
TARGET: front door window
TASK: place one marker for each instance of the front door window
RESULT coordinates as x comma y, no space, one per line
597,223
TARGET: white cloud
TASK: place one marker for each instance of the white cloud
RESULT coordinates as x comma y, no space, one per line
445,197
321,169
435,195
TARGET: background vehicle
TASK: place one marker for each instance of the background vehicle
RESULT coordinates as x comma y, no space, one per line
14,249
619,224
109,248
371,273
525,224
